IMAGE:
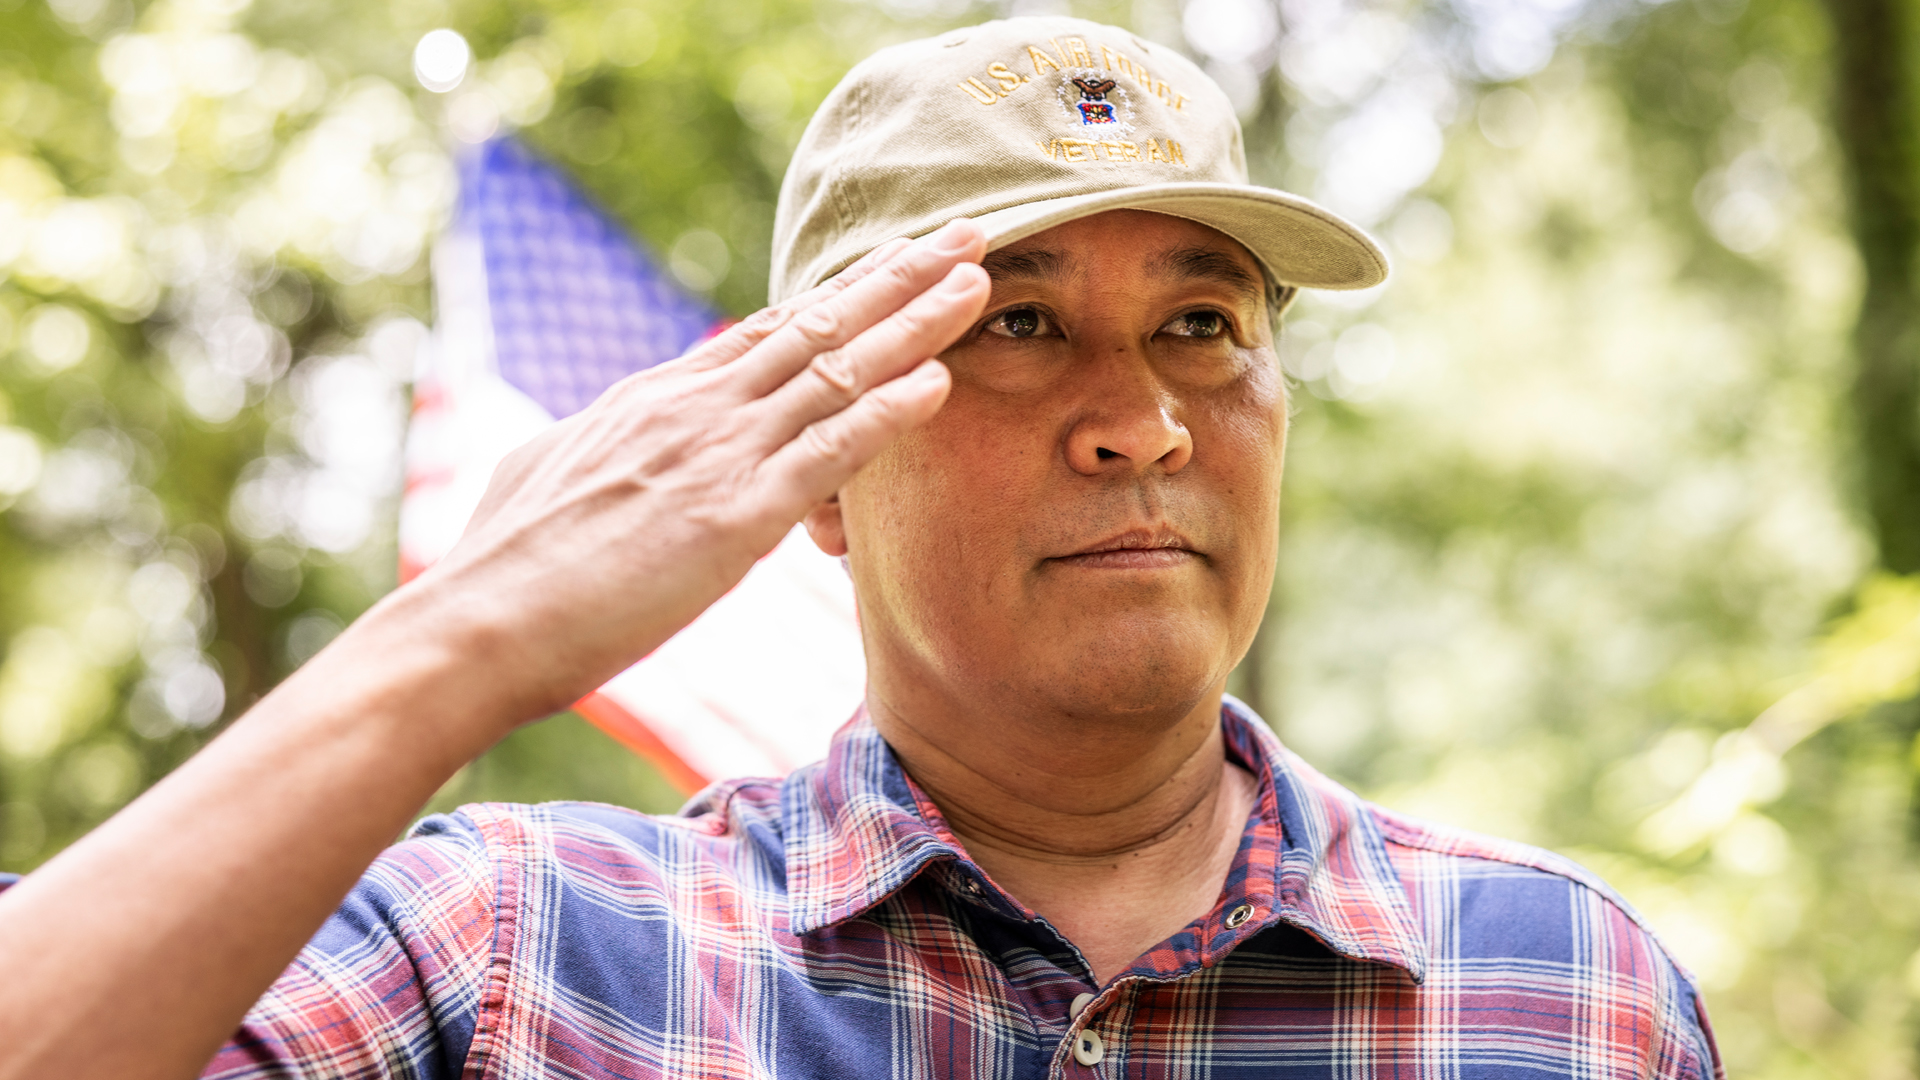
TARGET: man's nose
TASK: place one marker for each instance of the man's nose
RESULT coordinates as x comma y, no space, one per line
1129,419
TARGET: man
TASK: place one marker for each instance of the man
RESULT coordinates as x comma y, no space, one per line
1048,846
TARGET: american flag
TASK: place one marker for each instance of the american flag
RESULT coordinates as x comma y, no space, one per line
543,302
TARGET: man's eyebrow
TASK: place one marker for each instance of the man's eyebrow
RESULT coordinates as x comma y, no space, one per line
1038,264
1207,264
1191,263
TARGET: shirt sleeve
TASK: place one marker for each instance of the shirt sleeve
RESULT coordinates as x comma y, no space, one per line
1692,1028
391,986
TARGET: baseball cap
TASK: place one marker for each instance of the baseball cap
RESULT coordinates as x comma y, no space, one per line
1023,124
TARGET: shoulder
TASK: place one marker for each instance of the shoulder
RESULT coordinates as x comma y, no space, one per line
1525,933
726,812
724,826
1431,852
1547,923
1450,873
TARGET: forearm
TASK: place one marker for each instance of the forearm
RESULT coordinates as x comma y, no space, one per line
135,952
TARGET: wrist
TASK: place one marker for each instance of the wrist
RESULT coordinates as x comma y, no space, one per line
434,668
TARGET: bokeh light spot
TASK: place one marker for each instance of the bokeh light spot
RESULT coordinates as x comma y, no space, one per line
440,60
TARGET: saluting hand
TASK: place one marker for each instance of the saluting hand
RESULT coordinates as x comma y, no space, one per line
613,529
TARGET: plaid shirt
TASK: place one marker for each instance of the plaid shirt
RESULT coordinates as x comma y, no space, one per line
831,926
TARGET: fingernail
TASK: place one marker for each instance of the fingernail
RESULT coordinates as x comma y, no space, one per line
950,238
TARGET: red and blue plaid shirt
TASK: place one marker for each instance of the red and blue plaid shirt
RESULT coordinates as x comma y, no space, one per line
830,925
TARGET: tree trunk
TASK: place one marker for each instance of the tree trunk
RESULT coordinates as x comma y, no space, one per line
1874,120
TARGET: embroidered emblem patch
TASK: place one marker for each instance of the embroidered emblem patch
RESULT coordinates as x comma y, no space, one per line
1093,105
1093,98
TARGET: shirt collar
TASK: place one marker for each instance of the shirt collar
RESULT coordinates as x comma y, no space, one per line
853,831
1313,855
1334,878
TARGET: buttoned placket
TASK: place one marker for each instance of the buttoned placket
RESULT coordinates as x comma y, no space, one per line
1088,1041
1086,1045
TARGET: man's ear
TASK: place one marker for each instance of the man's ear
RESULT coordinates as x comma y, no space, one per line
828,530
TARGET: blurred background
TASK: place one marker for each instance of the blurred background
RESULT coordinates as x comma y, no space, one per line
1603,518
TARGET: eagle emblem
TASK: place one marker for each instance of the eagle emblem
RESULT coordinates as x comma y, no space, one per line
1093,104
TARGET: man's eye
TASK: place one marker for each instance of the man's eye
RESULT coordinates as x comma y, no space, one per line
1200,324
1019,323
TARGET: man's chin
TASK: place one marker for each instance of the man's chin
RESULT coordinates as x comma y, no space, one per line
1154,681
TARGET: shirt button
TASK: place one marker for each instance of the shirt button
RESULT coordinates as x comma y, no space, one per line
1079,1003
1238,917
1088,1048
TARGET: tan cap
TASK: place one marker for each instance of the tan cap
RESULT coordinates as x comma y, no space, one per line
1024,124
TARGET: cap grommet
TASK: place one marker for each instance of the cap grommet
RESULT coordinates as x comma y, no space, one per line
1238,917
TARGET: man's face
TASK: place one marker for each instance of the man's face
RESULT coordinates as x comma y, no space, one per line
1089,524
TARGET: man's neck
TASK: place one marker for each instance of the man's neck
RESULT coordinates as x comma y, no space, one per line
1119,832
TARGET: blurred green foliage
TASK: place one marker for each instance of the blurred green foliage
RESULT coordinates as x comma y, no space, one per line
1577,547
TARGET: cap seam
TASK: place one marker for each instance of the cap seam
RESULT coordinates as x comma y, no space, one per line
843,192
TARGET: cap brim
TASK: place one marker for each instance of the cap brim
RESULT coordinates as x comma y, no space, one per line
1301,244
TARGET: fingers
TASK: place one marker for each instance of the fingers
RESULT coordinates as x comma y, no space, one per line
837,379
732,343
828,452
839,319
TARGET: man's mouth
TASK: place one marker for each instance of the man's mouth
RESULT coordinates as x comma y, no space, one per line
1135,549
